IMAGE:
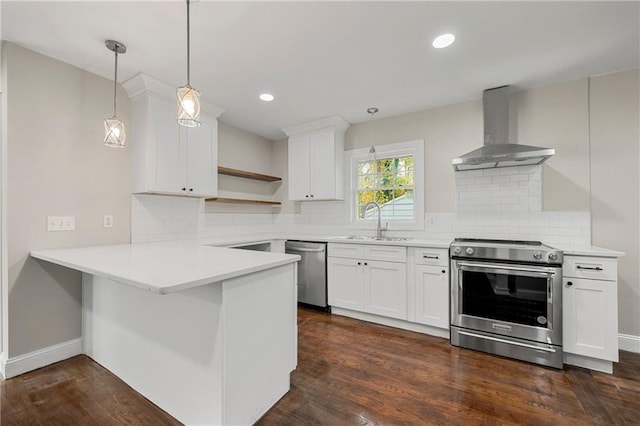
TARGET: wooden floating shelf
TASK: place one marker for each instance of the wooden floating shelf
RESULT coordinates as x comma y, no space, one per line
249,175
243,201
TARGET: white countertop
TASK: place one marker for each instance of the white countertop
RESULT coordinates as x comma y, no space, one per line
168,267
593,251
165,267
589,250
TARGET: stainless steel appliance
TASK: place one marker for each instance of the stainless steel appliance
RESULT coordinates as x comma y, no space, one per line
498,150
312,271
506,299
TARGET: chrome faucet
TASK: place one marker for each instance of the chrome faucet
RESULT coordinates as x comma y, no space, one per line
379,228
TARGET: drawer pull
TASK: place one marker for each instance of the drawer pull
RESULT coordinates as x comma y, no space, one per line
588,268
429,256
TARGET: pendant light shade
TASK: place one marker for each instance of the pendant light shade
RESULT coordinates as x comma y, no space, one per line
188,106
188,97
114,133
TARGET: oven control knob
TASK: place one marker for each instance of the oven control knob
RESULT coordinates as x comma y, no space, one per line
553,256
537,255
457,250
469,251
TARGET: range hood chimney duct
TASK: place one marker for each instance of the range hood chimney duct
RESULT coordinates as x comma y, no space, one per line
497,151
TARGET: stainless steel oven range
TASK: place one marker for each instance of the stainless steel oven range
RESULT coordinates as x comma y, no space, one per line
506,299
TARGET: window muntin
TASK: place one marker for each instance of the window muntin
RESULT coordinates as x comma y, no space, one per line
389,182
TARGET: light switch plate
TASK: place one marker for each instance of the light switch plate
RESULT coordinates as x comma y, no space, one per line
108,221
61,223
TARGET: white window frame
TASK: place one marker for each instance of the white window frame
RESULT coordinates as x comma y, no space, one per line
352,157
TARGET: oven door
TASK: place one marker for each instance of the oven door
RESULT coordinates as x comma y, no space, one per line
516,300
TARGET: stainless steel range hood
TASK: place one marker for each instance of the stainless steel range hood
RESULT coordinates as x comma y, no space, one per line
497,151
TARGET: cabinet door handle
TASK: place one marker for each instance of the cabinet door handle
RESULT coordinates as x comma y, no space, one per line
569,283
429,256
589,268
190,189
444,272
306,196
184,189
365,263
311,195
359,263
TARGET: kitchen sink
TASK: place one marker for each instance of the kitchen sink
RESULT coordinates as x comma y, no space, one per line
367,238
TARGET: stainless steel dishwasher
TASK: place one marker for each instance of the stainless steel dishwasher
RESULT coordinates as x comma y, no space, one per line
312,271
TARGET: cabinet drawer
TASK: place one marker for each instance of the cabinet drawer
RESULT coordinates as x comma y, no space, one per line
431,256
385,253
597,268
351,251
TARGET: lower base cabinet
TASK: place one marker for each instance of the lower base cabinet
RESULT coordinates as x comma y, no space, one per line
432,295
365,284
590,307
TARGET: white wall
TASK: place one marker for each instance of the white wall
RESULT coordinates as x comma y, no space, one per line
239,149
57,165
615,190
593,125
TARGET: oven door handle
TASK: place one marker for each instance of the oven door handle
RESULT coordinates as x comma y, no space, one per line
545,271
509,342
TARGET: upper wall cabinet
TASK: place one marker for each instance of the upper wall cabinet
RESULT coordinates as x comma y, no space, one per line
316,158
168,158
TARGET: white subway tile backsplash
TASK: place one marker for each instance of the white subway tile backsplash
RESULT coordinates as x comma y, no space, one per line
512,189
489,210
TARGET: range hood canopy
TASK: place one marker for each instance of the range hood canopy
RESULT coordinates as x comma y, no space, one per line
497,151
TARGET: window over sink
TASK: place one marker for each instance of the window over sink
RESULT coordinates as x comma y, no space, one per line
392,177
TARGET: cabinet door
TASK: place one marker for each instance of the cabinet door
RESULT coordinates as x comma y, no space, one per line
201,151
322,167
299,167
432,295
589,319
169,158
344,281
385,286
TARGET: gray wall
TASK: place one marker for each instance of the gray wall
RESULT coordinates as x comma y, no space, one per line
57,166
593,125
615,182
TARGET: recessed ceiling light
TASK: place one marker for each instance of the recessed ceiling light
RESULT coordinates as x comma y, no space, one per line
267,97
443,40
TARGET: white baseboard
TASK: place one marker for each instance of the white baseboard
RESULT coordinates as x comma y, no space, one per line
40,358
629,342
589,363
392,322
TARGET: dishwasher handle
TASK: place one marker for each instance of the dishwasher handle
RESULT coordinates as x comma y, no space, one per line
303,249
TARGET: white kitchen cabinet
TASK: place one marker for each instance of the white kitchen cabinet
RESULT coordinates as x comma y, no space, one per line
385,288
316,160
431,286
367,284
590,307
345,283
168,158
432,295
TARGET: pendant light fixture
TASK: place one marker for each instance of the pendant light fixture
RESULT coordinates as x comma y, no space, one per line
372,150
114,134
188,97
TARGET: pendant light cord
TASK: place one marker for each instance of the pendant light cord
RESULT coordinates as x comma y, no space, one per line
188,48
115,80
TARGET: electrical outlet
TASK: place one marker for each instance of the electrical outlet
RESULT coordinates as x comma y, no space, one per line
61,223
108,221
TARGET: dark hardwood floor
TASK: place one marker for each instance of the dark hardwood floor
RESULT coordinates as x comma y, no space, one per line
353,372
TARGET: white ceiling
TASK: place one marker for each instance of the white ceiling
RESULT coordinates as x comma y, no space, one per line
320,58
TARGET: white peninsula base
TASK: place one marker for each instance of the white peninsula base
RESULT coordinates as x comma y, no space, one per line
219,353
